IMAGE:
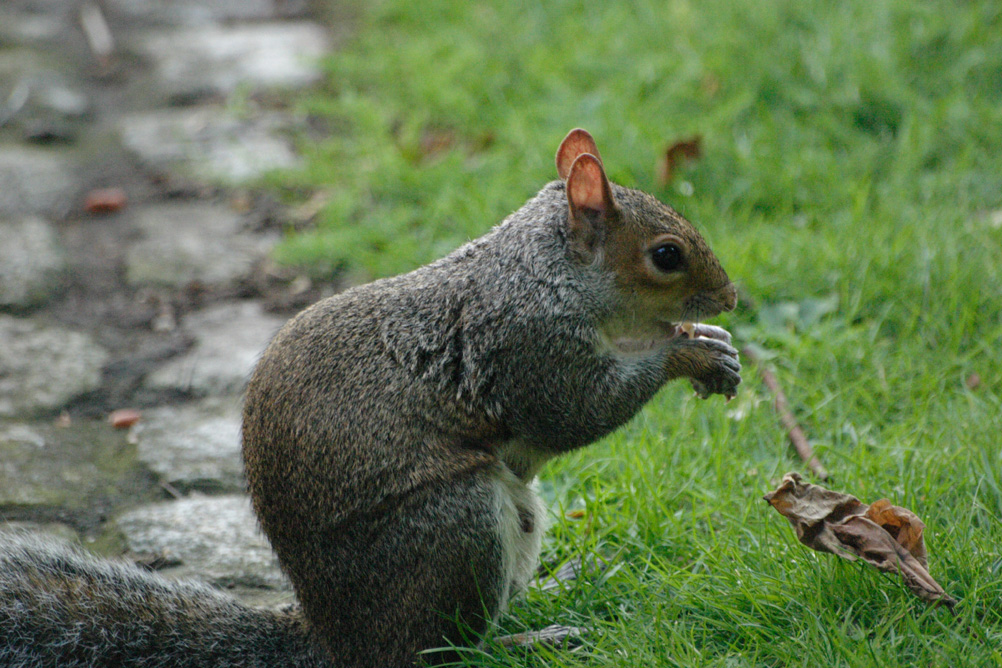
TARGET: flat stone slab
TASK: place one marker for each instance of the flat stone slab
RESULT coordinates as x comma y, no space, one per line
51,531
216,59
75,469
192,242
35,181
31,261
194,447
216,539
44,367
35,82
200,12
26,25
229,340
209,143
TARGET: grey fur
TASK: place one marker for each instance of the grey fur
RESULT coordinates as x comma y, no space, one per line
62,608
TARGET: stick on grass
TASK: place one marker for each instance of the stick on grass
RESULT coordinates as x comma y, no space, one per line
793,430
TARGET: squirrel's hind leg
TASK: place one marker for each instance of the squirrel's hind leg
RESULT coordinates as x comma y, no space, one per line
433,571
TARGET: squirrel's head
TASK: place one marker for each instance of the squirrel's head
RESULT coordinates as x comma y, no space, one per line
664,270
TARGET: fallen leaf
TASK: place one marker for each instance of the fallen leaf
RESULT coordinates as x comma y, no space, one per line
105,200
124,418
685,149
885,536
902,525
436,140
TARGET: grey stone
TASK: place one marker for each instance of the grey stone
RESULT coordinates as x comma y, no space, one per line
192,241
31,261
51,531
36,93
230,338
35,181
194,447
54,94
42,368
199,12
218,59
72,469
39,87
215,538
209,143
25,64
19,25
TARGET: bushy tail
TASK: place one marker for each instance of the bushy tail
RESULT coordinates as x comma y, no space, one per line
60,607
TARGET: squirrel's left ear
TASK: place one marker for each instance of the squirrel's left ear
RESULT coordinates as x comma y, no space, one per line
577,142
591,203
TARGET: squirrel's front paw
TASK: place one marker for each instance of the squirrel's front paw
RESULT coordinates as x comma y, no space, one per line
710,364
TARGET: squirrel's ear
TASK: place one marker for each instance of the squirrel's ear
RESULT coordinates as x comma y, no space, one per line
574,144
590,199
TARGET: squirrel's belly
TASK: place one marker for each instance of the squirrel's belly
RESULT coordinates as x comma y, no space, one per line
522,523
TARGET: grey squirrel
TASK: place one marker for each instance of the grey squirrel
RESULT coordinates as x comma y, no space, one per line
391,433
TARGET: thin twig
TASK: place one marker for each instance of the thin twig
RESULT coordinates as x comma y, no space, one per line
793,430
556,635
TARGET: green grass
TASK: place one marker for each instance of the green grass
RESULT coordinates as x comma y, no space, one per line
851,184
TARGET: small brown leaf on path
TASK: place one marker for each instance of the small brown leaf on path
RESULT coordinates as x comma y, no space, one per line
685,149
885,536
105,200
124,418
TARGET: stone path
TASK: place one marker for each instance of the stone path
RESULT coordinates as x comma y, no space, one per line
134,267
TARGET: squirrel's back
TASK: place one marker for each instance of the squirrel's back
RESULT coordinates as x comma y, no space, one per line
62,608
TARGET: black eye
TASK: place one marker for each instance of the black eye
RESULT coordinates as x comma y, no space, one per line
667,257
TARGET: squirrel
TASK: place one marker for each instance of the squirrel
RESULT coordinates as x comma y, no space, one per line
391,434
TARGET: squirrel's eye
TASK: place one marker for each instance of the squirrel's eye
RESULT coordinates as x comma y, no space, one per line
667,257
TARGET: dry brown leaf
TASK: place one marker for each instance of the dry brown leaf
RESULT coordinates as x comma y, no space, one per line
436,140
123,418
903,525
105,200
690,148
887,537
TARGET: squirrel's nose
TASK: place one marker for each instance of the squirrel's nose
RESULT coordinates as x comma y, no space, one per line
728,296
